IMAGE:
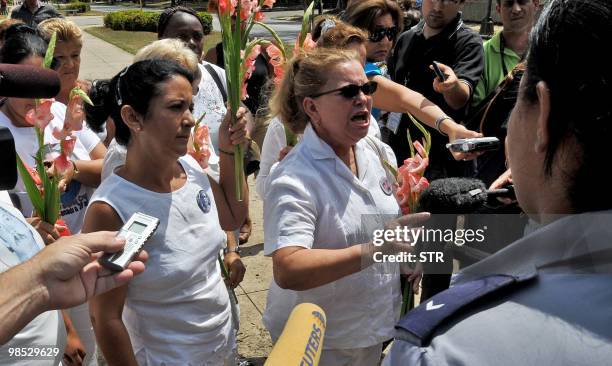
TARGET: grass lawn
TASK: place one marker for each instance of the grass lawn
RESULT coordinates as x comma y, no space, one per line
88,13
133,41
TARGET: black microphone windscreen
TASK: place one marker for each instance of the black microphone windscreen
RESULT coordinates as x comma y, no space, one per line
23,81
453,196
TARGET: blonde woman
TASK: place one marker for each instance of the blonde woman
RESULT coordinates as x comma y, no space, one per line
313,209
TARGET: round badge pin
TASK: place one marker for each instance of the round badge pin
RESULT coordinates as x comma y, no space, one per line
203,201
386,187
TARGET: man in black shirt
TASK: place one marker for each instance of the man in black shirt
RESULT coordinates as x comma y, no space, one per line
443,37
33,12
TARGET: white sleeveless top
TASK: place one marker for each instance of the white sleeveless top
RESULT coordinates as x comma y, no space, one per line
178,311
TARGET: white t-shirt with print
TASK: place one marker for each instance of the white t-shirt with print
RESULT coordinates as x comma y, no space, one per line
76,197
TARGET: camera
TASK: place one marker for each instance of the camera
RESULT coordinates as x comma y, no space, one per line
8,160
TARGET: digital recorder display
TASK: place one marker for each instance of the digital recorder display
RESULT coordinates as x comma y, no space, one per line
137,227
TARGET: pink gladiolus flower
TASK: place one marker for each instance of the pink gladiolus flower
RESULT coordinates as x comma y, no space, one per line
226,6
277,62
199,149
223,6
416,165
412,180
33,174
246,8
75,114
278,74
201,136
249,67
259,16
73,121
420,149
62,164
60,133
67,145
249,62
269,3
41,115
307,45
275,54
63,228
420,186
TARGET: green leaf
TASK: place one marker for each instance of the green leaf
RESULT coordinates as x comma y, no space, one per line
52,201
424,131
78,91
410,144
31,188
391,168
225,273
197,124
306,23
278,41
50,51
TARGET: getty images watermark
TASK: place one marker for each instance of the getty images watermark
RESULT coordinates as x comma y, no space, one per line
422,237
440,243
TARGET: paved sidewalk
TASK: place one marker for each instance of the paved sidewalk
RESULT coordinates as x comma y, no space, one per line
99,59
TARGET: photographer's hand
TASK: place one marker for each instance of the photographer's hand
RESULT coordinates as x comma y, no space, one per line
62,275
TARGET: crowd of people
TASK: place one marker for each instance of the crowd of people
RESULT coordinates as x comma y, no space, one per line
350,102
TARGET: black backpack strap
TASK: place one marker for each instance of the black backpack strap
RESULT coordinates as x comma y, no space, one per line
217,80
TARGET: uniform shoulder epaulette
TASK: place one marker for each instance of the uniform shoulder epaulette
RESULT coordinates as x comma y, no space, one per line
418,325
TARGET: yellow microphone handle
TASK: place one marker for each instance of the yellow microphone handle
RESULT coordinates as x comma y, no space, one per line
301,342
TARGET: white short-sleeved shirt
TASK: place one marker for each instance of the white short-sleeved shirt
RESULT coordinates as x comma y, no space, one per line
18,243
177,312
315,201
274,141
76,197
209,100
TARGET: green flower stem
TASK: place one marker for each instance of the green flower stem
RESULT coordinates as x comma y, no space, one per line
406,297
225,273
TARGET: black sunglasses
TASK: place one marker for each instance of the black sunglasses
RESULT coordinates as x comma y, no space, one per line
378,34
351,90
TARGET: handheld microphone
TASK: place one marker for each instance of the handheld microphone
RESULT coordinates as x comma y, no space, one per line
22,81
453,196
301,342
460,195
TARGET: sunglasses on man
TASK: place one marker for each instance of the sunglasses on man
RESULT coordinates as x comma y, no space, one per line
350,91
379,33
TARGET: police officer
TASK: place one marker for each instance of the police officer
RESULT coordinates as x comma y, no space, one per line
546,298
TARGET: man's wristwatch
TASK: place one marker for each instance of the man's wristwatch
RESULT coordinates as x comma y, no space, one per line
236,250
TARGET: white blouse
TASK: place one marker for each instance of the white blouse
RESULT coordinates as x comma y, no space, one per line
315,201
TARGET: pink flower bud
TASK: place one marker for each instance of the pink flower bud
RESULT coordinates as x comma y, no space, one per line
62,164
41,115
